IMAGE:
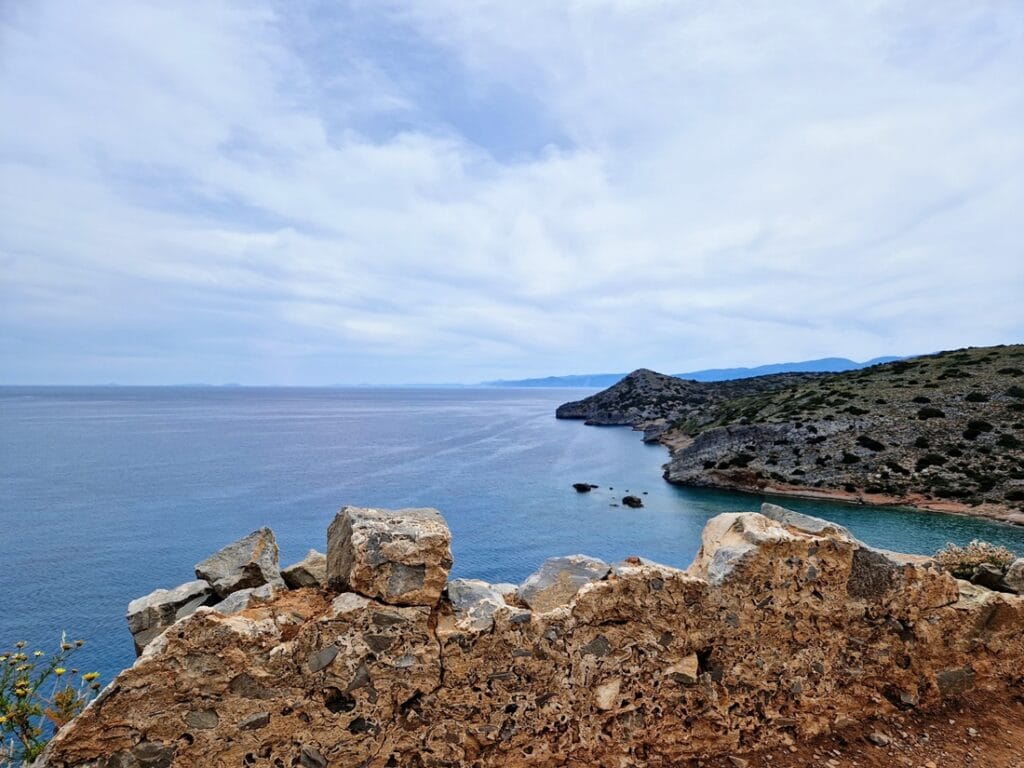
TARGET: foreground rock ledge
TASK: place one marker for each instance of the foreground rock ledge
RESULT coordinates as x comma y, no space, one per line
784,627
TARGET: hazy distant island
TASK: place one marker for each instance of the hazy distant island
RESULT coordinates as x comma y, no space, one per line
942,431
822,365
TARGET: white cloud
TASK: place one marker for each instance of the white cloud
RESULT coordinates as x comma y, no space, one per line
238,192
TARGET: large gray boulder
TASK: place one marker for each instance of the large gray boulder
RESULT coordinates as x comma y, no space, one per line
249,562
400,556
474,603
1015,576
558,580
238,601
310,571
150,615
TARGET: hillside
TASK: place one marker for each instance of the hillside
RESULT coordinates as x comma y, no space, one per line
942,431
823,365
655,402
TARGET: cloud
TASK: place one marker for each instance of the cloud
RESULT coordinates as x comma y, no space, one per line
311,193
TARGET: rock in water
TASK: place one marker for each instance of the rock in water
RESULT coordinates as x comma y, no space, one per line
400,556
583,487
248,562
149,616
633,501
310,571
558,580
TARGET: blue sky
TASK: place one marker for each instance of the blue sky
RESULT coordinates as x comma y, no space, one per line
373,192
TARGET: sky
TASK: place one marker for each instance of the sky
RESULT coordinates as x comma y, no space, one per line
370,192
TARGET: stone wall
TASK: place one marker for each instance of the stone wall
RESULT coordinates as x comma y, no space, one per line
785,626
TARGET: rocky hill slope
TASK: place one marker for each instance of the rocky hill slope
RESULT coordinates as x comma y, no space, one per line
942,431
784,628
655,402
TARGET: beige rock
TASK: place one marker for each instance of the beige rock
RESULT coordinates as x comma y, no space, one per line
606,695
397,556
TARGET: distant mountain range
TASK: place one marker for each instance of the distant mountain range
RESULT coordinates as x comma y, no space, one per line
824,365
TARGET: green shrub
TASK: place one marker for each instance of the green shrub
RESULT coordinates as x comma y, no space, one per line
961,561
976,397
38,696
930,460
1008,441
930,412
921,442
1016,391
870,443
922,399
978,425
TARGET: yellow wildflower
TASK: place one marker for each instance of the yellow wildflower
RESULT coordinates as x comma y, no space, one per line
59,671
20,644
37,654
3,719
90,676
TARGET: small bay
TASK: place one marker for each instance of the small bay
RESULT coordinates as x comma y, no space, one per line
109,492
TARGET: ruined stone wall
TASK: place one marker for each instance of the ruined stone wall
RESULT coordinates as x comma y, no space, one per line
784,627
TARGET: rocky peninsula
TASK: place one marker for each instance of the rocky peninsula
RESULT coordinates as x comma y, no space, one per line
784,628
942,432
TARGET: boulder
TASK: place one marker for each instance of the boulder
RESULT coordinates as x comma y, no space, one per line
249,562
558,580
149,616
401,557
803,522
583,487
633,501
991,577
509,592
238,601
310,571
1015,576
474,603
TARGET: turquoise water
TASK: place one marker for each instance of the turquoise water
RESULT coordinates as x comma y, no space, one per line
108,493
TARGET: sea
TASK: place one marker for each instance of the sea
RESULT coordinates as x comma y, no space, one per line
107,493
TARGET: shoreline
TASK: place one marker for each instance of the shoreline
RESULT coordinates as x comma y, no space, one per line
674,443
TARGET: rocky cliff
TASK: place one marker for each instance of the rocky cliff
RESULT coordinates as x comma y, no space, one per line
784,627
942,431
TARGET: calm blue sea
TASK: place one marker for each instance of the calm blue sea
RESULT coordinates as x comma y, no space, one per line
108,493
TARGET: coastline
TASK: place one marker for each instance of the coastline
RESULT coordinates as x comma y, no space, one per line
675,443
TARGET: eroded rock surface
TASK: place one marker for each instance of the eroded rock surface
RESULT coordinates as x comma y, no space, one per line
783,628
